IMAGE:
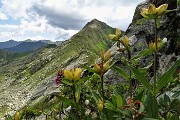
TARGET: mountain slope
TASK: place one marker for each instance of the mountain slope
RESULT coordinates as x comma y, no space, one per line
26,46
9,56
30,78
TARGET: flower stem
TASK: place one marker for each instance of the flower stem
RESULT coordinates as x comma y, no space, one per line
130,74
154,102
155,59
74,96
102,86
74,93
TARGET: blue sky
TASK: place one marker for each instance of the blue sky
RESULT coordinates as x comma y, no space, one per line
59,19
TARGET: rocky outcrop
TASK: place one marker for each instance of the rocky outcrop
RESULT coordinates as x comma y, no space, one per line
170,26
141,32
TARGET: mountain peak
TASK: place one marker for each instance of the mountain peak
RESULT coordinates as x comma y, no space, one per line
95,24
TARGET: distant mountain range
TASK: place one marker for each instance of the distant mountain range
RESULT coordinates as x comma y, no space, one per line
8,44
25,46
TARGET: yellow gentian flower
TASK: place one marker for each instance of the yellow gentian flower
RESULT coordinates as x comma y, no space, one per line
125,40
107,55
152,46
17,116
161,9
106,66
73,74
115,36
152,12
68,74
77,74
152,9
100,105
97,67
144,12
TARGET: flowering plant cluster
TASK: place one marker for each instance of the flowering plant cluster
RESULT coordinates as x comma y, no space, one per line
137,98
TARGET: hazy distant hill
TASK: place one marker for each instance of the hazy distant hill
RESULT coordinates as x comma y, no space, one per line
26,46
12,45
8,44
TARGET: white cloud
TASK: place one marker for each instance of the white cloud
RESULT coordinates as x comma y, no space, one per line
37,26
36,38
3,16
60,19
17,8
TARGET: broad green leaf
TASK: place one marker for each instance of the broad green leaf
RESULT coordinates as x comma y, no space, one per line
151,106
143,53
119,101
166,77
66,100
110,106
121,72
141,78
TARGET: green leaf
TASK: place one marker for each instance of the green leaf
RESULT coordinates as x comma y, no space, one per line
119,101
166,77
151,106
66,100
114,99
176,94
139,96
95,96
143,53
110,106
121,72
89,69
141,78
166,98
82,80
158,22
67,82
174,104
149,119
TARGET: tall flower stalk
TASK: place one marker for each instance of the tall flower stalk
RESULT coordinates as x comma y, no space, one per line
154,13
74,75
102,68
125,42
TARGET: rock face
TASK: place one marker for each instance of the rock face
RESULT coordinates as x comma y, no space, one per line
170,26
142,32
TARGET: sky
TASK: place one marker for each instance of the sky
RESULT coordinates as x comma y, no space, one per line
58,20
